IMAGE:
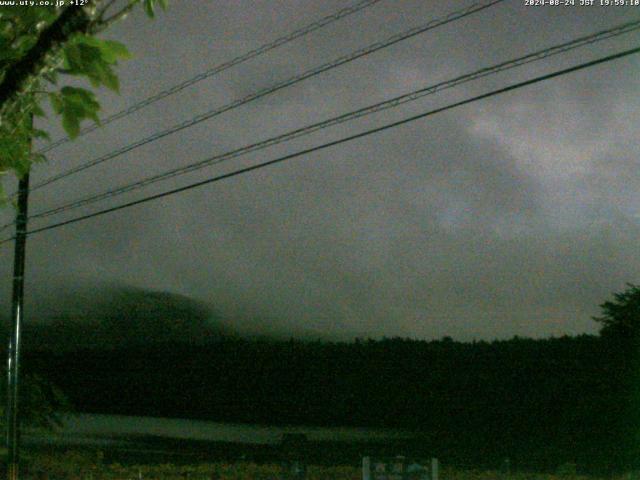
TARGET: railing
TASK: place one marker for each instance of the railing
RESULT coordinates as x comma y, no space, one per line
398,468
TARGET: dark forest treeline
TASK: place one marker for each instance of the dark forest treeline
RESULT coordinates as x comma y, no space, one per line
569,399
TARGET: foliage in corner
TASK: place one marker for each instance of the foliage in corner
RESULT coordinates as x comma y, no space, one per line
37,46
42,403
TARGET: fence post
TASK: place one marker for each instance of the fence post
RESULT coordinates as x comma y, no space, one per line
366,468
506,466
434,469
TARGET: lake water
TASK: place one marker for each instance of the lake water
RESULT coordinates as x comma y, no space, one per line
92,429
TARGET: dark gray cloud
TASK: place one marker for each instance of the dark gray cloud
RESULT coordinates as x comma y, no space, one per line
515,215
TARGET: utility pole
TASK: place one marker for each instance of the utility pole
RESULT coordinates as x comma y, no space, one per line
17,313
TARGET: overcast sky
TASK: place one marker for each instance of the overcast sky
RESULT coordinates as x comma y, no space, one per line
515,215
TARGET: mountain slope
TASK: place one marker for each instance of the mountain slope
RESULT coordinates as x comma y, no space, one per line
113,317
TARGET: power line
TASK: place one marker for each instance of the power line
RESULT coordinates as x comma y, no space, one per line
323,146
307,29
387,104
454,16
412,96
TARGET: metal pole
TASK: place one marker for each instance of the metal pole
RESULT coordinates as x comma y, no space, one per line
17,312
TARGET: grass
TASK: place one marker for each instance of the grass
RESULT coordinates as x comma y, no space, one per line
75,465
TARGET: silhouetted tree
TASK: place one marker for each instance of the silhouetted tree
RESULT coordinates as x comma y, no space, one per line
621,316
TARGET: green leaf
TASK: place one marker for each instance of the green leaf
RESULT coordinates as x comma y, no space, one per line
37,111
110,80
24,43
56,102
6,51
149,8
93,58
37,133
82,101
75,105
112,50
104,75
38,158
71,123
87,40
51,77
22,166
94,80
90,56
163,4
73,59
78,94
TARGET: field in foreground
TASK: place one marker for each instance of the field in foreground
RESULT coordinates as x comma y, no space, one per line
77,466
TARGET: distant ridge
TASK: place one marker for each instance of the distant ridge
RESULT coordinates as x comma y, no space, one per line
122,316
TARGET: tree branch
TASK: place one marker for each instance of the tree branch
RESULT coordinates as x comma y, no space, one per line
72,20
116,16
104,9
